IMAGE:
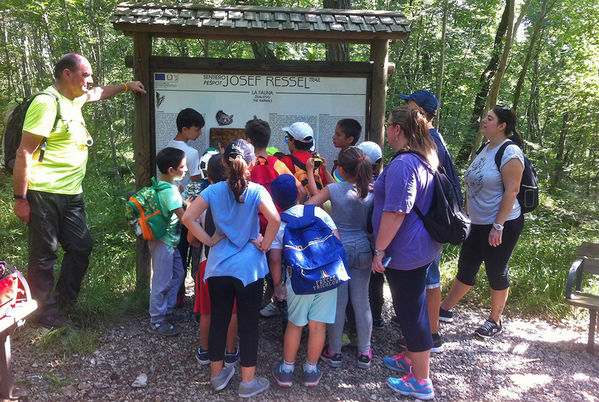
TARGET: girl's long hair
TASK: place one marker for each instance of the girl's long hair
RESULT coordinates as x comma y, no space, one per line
414,126
506,114
355,164
238,176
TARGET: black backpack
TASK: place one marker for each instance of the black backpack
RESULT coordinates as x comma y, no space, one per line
528,196
446,221
13,130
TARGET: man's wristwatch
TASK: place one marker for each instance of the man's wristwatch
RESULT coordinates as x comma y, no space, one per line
379,252
497,226
20,197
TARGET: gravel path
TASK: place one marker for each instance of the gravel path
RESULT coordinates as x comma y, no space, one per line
531,360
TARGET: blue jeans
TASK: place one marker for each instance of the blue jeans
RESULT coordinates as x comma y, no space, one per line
359,261
433,275
167,275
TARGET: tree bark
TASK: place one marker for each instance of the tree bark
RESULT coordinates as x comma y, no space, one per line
484,85
547,5
337,51
561,146
441,60
498,78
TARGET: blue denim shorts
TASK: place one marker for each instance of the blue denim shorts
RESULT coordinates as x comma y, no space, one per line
433,275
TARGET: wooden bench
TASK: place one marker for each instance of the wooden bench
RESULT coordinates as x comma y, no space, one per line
587,263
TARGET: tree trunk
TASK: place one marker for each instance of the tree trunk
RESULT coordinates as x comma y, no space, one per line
484,84
337,51
441,60
70,28
263,51
561,146
498,78
11,89
547,5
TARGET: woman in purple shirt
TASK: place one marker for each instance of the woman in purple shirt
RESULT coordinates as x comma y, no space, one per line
400,234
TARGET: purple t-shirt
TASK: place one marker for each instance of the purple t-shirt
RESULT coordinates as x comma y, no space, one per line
404,182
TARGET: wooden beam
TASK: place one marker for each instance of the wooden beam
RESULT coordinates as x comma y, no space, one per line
379,55
142,145
195,64
258,35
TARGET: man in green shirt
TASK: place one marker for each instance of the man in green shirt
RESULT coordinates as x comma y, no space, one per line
48,193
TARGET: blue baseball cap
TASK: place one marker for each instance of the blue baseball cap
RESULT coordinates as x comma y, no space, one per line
241,148
284,191
425,99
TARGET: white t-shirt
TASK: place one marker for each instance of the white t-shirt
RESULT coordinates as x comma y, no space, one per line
298,210
193,161
484,184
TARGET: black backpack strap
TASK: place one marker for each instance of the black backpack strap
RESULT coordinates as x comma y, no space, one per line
480,149
297,162
58,117
500,151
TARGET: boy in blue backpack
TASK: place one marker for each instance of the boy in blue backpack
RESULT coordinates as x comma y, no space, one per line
167,266
316,310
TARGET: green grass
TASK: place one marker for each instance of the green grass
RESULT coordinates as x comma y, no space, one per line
67,341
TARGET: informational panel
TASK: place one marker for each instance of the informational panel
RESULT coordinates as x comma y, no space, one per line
230,100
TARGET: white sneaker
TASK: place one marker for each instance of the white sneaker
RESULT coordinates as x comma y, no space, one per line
270,310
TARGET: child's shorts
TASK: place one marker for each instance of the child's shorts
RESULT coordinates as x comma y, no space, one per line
320,307
202,301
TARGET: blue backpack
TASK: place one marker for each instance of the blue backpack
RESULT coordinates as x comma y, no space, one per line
314,258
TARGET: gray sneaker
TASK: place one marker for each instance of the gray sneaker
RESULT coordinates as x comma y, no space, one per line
221,381
254,387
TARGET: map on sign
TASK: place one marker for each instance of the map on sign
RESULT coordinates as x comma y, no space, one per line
228,101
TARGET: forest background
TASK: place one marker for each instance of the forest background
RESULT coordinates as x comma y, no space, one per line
539,56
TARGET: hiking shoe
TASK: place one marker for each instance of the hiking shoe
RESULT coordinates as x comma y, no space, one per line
395,321
202,356
270,310
409,385
175,318
283,378
397,363
254,387
231,359
378,323
364,359
164,328
437,344
221,381
332,359
312,378
445,315
489,329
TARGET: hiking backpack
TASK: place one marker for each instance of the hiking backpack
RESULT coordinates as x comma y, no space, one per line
143,209
263,173
299,171
312,255
528,195
445,221
13,129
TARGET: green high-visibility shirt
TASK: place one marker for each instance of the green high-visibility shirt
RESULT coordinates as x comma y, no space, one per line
63,166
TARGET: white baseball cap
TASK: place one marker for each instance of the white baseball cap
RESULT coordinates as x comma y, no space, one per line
300,131
372,150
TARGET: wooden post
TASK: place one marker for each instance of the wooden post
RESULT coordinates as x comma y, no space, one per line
379,50
142,144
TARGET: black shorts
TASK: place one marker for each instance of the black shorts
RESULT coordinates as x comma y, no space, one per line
476,249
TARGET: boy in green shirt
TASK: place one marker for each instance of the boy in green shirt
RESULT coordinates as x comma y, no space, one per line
167,266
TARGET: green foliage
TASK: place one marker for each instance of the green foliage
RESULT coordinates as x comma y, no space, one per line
67,341
557,111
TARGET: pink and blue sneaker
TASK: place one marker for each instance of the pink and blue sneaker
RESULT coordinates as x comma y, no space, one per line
410,385
397,363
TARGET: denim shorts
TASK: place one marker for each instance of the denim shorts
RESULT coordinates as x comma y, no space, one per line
433,275
321,307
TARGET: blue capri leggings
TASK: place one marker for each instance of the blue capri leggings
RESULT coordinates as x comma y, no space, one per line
408,289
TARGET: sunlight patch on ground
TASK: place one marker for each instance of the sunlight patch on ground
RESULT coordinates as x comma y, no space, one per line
528,381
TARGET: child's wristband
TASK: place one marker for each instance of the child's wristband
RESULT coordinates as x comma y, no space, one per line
126,87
